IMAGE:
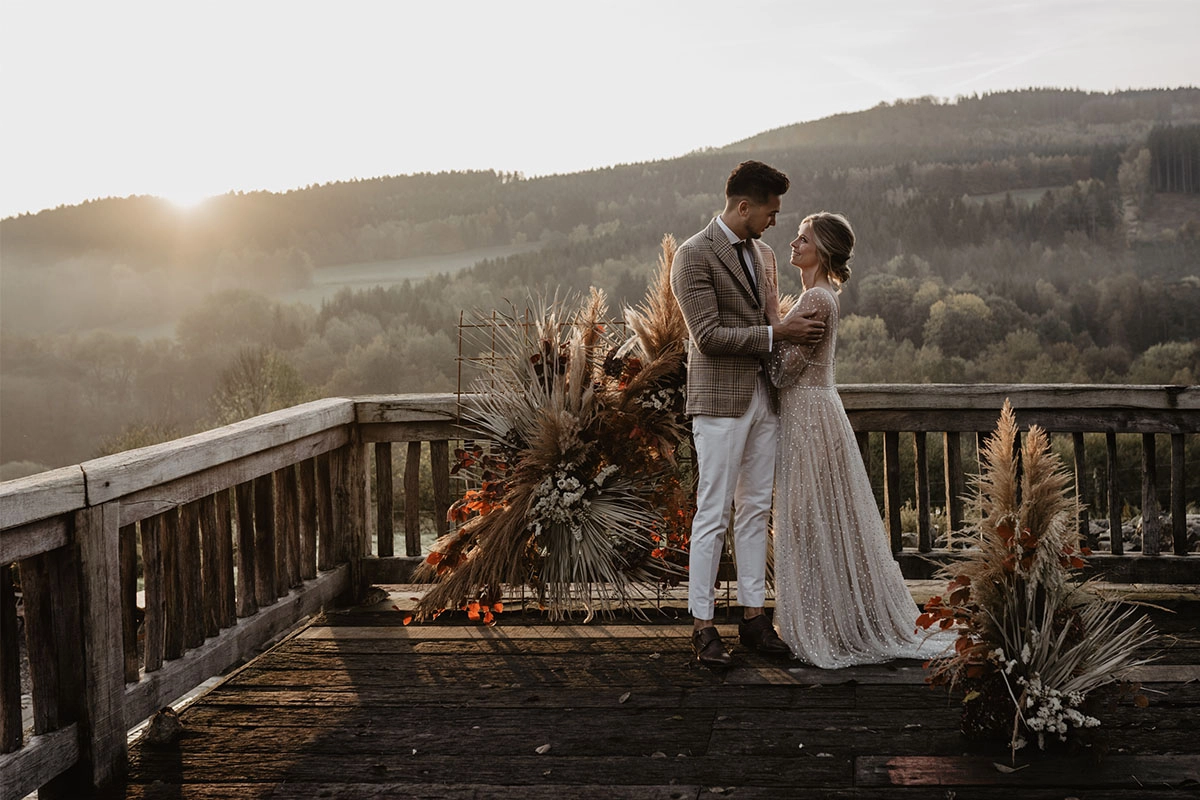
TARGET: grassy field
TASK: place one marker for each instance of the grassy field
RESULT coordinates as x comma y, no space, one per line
328,281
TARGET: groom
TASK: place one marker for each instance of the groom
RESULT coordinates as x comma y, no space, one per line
720,278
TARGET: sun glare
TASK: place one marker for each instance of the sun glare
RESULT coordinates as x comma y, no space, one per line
186,200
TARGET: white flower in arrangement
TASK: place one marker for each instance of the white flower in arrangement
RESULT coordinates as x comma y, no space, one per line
1050,713
604,474
659,400
561,500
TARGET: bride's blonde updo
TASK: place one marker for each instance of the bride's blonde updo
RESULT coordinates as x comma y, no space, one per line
834,239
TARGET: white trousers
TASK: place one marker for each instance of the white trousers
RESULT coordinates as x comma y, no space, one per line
736,465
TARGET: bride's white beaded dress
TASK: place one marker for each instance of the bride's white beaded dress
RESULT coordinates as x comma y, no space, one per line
840,598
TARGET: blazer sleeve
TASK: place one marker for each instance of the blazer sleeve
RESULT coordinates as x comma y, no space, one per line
699,294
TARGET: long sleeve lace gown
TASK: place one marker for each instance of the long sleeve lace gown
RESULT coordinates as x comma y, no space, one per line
840,596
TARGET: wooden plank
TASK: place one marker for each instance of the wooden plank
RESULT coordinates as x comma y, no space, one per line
129,592
340,492
103,748
412,500
10,665
326,552
33,538
1178,500
233,645
985,396
1062,420
228,592
891,488
921,485
954,479
384,508
439,466
247,567
307,509
1115,770
173,639
157,498
399,764
362,789
1082,492
371,410
1115,538
290,489
134,470
44,757
265,587
210,547
191,574
358,531
46,494
51,645
1151,522
154,622
413,432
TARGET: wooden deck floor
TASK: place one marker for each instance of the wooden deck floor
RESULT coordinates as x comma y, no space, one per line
358,706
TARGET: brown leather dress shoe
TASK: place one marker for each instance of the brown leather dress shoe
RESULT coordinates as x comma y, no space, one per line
709,650
758,634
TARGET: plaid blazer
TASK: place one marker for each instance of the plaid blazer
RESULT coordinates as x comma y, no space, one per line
727,324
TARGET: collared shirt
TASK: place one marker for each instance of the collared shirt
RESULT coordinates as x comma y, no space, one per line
733,239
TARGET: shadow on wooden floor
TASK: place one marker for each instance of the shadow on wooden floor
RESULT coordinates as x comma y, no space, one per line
357,705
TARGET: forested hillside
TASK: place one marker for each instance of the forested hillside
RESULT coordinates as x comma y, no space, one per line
1038,235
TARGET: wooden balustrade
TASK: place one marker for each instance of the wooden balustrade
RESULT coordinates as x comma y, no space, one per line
247,529
243,495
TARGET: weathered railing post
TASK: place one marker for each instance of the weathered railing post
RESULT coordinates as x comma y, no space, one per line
10,665
412,500
1151,524
955,486
1178,506
103,749
1116,541
891,488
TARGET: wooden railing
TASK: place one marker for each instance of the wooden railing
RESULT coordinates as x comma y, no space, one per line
248,529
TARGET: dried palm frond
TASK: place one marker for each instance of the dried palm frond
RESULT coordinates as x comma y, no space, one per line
585,464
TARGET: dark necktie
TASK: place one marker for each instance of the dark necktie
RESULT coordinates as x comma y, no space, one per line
741,251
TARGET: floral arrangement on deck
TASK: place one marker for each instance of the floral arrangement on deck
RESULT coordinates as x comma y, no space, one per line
581,494
1034,644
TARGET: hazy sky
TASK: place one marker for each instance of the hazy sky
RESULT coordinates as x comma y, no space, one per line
185,100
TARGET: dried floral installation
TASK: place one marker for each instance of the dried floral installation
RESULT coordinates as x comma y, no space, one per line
581,492
1034,642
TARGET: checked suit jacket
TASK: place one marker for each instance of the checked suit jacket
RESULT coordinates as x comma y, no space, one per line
726,320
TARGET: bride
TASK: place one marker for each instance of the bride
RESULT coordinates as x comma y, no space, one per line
840,596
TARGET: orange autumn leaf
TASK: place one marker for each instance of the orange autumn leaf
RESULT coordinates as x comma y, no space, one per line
408,619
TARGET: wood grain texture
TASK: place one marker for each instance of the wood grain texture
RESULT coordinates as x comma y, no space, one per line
135,470
47,494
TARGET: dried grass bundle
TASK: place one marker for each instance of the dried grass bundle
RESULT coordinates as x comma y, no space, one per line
1025,624
579,492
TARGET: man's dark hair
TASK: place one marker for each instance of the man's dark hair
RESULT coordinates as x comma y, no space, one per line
757,181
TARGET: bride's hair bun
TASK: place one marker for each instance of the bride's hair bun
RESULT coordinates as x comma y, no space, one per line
834,239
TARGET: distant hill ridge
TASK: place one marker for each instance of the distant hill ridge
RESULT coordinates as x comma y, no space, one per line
1053,116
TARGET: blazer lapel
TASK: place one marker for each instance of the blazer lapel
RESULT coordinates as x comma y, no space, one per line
729,257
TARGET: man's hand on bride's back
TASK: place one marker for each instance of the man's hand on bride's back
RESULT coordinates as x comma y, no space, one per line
799,328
